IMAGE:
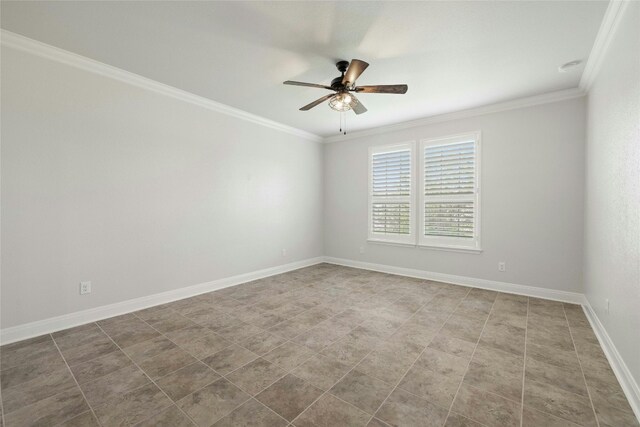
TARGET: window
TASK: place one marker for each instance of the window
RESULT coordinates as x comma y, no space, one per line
449,192
391,194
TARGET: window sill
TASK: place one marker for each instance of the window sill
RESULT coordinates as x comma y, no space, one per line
451,248
391,243
445,248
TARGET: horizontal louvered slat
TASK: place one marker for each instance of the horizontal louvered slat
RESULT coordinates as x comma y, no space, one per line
391,173
449,170
391,218
449,219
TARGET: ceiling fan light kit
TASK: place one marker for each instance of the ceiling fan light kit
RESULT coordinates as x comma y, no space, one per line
344,87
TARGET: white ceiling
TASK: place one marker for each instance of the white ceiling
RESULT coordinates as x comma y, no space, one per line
453,55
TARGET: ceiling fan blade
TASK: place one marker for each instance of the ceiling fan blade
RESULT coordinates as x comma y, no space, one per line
357,106
356,67
397,89
316,102
291,82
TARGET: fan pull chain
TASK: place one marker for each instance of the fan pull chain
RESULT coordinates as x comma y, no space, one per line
345,123
343,119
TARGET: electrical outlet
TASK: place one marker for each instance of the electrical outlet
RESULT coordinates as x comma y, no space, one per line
284,252
85,288
361,249
502,266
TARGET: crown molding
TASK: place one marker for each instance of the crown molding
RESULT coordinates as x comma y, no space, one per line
545,98
608,27
22,43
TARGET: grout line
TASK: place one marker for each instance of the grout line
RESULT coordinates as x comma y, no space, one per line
524,366
2,405
575,349
74,380
361,359
315,288
472,354
313,353
251,396
150,379
420,355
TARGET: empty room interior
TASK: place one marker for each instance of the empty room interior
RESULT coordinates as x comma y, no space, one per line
320,213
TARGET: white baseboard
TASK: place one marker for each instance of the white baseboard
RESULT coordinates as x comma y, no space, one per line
531,291
45,326
626,380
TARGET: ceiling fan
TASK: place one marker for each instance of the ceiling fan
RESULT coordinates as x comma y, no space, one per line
344,86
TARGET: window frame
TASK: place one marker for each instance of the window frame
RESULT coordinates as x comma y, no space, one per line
407,239
451,243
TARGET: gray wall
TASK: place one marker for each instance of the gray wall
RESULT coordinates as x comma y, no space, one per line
532,198
138,192
612,208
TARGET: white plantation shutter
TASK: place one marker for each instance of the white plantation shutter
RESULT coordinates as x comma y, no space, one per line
449,192
390,193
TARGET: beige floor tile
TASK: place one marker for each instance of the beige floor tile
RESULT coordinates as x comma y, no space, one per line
169,321
451,345
363,391
443,363
566,378
252,414
323,334
166,362
404,409
329,411
112,386
504,337
50,411
322,322
262,343
553,356
100,346
437,388
101,366
496,371
463,327
149,348
289,396
39,388
321,371
212,402
170,417
390,361
486,408
609,416
198,341
375,422
30,370
239,332
25,352
133,407
558,402
129,332
535,418
187,380
229,359
77,336
86,419
256,376
606,392
457,420
289,355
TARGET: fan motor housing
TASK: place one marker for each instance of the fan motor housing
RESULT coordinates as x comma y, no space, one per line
337,82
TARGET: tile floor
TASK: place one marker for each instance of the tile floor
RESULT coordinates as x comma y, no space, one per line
321,346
